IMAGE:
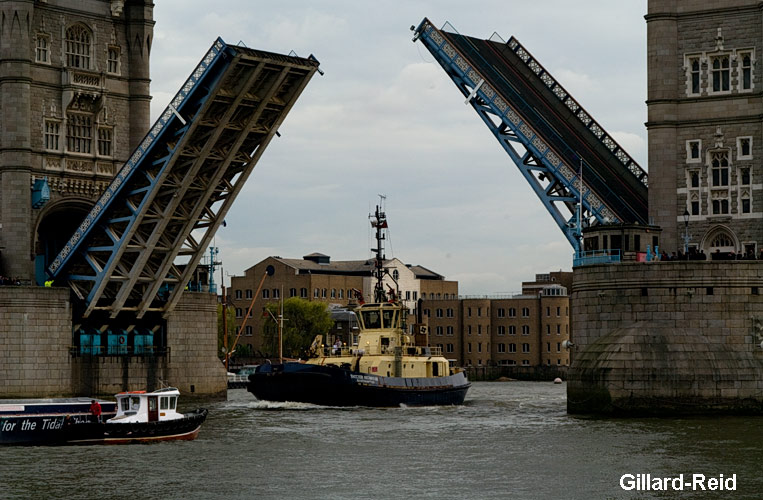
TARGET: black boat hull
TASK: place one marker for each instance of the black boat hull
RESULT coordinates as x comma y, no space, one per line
80,430
335,386
40,421
186,428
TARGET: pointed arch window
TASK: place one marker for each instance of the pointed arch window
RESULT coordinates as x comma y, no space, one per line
112,61
77,46
721,73
42,51
720,168
746,70
720,206
745,205
694,203
695,76
722,240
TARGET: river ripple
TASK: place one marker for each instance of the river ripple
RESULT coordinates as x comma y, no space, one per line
510,440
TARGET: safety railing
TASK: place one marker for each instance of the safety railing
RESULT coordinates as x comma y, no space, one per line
591,257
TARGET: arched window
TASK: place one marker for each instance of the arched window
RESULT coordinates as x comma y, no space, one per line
395,275
721,73
720,168
77,48
722,240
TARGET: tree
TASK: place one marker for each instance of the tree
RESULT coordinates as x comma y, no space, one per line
303,320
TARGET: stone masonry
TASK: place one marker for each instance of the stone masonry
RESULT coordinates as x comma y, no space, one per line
37,358
667,338
705,74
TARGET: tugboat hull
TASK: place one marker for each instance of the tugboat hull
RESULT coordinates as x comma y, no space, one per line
335,386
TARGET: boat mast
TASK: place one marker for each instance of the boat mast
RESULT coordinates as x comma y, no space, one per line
379,221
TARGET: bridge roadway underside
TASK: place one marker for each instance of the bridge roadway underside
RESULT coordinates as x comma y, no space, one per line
168,200
674,338
557,124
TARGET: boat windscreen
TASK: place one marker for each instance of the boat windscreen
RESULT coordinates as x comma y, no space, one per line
388,318
371,319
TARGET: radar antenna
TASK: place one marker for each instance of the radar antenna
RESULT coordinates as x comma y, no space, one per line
379,222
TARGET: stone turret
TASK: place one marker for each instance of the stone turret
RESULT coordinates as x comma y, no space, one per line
15,132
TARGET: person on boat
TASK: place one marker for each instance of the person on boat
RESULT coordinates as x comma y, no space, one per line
95,410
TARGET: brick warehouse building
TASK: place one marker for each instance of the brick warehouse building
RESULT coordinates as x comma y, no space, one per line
316,277
526,329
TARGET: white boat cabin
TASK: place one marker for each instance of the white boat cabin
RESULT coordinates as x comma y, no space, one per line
142,406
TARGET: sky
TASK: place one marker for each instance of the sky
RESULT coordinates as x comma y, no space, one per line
386,119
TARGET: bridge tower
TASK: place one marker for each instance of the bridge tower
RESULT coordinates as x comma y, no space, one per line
704,126
74,81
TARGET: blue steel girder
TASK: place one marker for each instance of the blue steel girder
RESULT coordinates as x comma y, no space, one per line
175,190
555,182
161,214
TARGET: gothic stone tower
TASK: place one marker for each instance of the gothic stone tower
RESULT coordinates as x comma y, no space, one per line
705,138
74,87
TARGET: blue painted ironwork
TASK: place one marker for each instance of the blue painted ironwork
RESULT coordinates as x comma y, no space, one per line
591,257
534,146
146,145
174,191
40,193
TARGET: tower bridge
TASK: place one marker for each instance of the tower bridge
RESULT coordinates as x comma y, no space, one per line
555,143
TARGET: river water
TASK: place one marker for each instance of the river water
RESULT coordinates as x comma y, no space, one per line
510,440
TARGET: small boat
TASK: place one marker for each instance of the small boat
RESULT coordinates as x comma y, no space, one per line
386,368
136,416
141,417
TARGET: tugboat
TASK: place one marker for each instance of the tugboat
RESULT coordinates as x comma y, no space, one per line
386,368
137,416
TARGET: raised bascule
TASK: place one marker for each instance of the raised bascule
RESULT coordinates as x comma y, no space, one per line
174,191
651,335
547,134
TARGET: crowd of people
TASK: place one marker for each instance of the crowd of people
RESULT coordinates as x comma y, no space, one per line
695,254
5,280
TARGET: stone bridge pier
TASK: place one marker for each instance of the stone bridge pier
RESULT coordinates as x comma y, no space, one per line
667,338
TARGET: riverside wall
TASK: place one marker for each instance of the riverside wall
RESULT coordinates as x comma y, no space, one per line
667,338
36,358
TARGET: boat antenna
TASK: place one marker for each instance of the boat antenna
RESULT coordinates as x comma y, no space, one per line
379,222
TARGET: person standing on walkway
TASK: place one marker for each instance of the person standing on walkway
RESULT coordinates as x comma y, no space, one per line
95,410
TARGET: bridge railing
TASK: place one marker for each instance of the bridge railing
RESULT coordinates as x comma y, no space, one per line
591,257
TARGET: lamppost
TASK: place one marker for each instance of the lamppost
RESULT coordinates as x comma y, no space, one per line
686,232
